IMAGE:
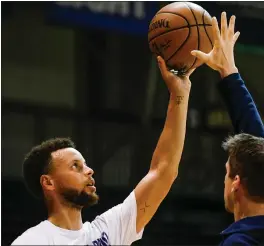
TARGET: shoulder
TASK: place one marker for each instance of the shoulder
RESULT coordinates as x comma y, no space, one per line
237,239
32,236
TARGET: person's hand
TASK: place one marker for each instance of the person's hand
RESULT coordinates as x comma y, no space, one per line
177,86
221,58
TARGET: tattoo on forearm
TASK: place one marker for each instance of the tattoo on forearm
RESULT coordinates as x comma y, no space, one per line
179,99
145,207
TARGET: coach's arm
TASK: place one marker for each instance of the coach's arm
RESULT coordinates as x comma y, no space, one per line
153,188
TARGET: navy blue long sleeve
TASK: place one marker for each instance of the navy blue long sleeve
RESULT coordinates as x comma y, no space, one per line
240,105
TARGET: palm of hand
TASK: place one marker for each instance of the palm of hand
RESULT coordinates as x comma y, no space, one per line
222,55
219,57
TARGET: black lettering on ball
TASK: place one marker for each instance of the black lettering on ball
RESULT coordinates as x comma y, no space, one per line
162,23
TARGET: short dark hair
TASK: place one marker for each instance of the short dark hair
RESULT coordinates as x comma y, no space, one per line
246,159
38,162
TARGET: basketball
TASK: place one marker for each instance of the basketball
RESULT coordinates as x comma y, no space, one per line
176,30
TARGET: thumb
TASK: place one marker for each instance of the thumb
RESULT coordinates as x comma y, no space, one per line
190,72
200,55
162,66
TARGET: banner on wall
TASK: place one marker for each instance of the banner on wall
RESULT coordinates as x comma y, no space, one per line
128,17
134,17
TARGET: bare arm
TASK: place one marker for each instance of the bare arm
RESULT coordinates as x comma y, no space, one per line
154,187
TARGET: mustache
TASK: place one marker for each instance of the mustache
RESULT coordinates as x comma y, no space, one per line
90,182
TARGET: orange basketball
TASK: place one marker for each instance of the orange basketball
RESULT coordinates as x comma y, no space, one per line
176,30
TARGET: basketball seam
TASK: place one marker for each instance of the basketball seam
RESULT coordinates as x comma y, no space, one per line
180,45
178,28
198,33
189,31
206,31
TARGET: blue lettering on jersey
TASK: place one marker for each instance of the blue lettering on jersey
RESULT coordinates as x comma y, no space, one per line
102,241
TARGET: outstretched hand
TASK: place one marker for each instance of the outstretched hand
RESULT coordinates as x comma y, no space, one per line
221,58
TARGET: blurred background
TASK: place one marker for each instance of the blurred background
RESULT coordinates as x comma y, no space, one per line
84,70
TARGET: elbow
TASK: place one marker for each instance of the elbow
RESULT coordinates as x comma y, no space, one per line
166,170
169,175
169,178
171,171
174,176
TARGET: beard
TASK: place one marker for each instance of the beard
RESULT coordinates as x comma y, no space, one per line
79,199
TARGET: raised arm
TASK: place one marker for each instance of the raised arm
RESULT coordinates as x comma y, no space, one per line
241,107
153,188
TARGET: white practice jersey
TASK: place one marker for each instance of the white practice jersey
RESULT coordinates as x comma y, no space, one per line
117,226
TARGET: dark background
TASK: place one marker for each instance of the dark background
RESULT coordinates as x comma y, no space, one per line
85,71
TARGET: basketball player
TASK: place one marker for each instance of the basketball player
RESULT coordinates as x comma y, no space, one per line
56,171
244,180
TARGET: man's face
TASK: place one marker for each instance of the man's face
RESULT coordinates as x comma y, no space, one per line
228,193
73,178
